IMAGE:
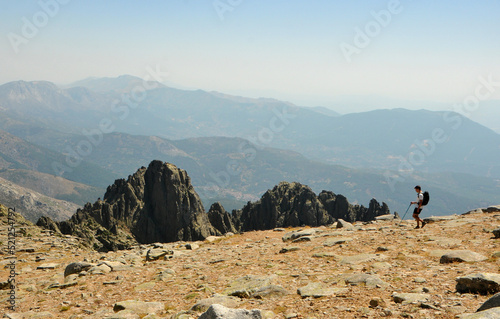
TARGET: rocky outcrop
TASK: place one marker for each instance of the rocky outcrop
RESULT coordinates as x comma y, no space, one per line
159,204
294,204
171,209
286,205
156,204
220,219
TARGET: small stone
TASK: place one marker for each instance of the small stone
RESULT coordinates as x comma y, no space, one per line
192,246
285,250
218,311
377,302
48,266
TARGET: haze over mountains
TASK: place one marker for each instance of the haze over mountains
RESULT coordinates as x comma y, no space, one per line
235,148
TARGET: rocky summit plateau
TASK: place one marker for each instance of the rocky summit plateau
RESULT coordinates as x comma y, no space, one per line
381,268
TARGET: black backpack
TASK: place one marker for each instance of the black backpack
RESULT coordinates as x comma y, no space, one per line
426,198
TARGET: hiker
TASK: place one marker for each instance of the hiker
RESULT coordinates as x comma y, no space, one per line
418,206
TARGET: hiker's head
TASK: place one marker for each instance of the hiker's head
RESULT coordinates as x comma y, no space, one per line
417,188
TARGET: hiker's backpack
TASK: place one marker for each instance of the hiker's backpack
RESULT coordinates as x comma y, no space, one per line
426,198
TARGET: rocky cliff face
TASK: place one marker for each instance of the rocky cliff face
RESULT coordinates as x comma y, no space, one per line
293,204
156,204
171,209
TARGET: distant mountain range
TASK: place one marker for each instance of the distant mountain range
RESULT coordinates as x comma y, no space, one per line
235,148
378,139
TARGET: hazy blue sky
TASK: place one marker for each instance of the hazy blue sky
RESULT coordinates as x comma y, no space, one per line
308,52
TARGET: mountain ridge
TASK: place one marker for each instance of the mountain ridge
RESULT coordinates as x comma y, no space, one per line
32,205
179,114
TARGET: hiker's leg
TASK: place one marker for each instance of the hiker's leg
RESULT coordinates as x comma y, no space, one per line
415,215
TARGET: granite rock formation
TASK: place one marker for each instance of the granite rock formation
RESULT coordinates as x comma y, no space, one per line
159,204
156,204
294,204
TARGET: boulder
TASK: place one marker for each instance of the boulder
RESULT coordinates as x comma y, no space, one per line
299,233
482,283
361,258
114,265
492,209
371,281
493,313
435,219
461,256
493,302
156,253
343,224
302,239
385,217
496,233
406,298
336,241
5,285
76,268
226,301
245,286
269,292
318,290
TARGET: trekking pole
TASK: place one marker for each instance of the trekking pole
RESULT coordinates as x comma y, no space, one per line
404,215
